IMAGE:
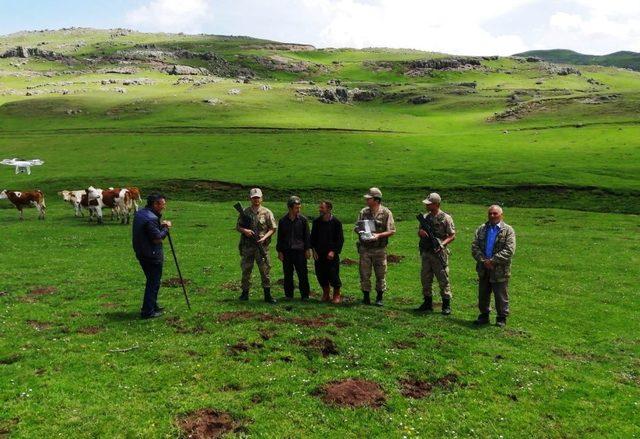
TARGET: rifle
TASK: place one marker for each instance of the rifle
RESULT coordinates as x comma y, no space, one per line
245,223
431,241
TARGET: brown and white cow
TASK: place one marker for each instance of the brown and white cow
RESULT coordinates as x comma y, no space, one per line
26,199
75,199
119,200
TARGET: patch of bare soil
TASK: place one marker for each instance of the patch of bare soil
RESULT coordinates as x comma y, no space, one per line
324,345
404,344
90,330
353,393
41,291
243,346
414,388
266,334
181,328
395,259
174,282
10,359
207,424
231,286
38,325
316,322
109,305
348,261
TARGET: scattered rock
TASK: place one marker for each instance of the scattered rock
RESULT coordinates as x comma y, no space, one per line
234,91
186,70
284,64
207,424
213,101
353,393
419,100
555,69
265,87
424,67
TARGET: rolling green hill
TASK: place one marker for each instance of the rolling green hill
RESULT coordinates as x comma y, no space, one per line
624,59
203,118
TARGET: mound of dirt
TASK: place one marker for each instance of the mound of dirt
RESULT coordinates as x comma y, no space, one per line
404,344
174,282
414,388
231,286
324,345
347,261
90,330
181,328
353,393
208,423
38,325
41,291
395,259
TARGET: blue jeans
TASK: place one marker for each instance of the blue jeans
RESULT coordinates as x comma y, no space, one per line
153,272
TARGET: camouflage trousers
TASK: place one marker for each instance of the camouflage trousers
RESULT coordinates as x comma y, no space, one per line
432,266
249,255
373,259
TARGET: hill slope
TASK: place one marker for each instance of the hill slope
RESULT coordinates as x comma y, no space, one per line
624,59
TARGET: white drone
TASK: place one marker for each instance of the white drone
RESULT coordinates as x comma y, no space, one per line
22,166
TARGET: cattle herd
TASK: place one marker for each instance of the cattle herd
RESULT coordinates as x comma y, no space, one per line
122,202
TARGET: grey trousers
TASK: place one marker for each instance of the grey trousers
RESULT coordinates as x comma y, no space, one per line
500,291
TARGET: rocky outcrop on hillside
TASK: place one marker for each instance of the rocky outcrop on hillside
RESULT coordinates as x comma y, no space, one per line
28,52
341,95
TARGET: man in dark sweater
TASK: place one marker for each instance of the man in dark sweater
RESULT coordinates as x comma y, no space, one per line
327,239
294,248
148,233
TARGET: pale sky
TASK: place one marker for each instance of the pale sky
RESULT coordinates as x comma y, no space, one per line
469,27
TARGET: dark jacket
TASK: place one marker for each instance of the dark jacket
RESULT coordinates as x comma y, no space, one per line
293,235
327,236
146,229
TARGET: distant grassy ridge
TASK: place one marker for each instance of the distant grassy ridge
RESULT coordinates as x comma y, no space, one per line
624,59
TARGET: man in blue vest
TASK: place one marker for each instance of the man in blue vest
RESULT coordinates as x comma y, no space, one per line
148,233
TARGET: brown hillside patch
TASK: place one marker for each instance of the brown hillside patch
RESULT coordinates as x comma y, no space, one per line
414,388
348,261
42,291
395,259
324,345
207,424
353,393
174,282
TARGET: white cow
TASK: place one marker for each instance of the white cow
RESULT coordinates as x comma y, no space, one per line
75,199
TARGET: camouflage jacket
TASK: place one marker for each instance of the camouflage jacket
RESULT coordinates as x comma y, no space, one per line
384,222
443,227
261,221
503,251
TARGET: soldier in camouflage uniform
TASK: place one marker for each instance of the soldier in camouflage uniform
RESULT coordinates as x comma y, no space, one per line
263,225
493,248
435,261
373,250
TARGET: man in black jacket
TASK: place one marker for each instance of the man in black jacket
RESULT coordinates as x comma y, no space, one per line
148,233
327,239
294,248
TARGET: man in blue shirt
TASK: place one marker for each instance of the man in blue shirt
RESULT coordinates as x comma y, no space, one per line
147,236
493,248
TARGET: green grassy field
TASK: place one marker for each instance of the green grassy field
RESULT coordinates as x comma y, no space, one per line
75,360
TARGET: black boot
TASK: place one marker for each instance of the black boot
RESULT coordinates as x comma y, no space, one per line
267,296
366,299
427,305
483,319
244,295
379,298
446,306
501,321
